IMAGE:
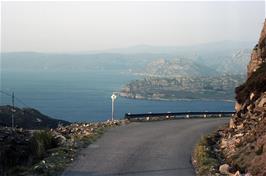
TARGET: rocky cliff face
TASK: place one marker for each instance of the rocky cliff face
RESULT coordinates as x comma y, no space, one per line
259,53
243,143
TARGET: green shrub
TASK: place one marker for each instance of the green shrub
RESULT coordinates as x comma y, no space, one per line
40,142
206,161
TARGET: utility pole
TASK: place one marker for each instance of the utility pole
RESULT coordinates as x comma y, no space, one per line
113,97
13,110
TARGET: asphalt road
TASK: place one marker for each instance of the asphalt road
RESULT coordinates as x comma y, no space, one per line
144,149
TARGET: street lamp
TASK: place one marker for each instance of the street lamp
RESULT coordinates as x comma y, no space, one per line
113,97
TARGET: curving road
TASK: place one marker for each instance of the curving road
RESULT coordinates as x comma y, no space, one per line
144,149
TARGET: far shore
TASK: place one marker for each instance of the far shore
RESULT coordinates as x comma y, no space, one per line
179,99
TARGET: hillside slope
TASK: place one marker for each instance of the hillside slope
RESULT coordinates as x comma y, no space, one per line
243,143
28,118
177,68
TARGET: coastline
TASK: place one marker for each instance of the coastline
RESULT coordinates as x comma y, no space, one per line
178,99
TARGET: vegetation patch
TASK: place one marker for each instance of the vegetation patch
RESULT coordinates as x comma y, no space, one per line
58,158
205,160
48,152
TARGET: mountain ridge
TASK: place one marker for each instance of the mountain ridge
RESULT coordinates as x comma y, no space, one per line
28,118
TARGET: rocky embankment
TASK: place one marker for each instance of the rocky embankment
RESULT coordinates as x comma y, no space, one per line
45,152
243,143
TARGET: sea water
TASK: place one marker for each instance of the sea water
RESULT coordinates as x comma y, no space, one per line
86,95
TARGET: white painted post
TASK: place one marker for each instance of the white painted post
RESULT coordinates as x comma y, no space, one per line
113,97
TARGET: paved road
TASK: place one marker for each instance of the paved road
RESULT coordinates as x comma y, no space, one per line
144,149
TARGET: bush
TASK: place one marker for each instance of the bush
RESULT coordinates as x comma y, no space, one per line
40,142
206,161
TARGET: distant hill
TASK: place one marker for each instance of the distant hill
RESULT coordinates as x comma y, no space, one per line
225,56
75,61
201,49
28,118
177,68
199,87
235,63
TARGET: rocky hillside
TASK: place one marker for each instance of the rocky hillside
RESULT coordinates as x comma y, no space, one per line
235,63
181,67
196,77
204,87
27,118
243,143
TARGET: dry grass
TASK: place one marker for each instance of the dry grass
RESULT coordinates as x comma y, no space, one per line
206,161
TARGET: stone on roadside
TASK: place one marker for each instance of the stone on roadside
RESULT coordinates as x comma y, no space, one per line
237,174
232,124
262,102
223,144
237,107
224,169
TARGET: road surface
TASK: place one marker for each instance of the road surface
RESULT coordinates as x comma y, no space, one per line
160,148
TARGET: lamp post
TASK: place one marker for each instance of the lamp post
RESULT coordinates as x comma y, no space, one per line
113,97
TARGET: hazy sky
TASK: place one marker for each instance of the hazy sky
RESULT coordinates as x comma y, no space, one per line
83,26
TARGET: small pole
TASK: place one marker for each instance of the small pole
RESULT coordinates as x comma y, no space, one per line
12,110
112,109
113,97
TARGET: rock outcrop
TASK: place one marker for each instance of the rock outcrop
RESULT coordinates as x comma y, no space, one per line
243,143
259,53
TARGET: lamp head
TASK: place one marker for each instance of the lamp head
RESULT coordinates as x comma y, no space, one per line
113,97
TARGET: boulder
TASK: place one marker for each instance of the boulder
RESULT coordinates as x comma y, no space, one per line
223,143
237,174
250,107
262,102
60,140
232,124
239,135
237,107
251,96
224,169
240,127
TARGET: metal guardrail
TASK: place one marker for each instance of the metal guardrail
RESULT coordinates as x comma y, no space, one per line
177,115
